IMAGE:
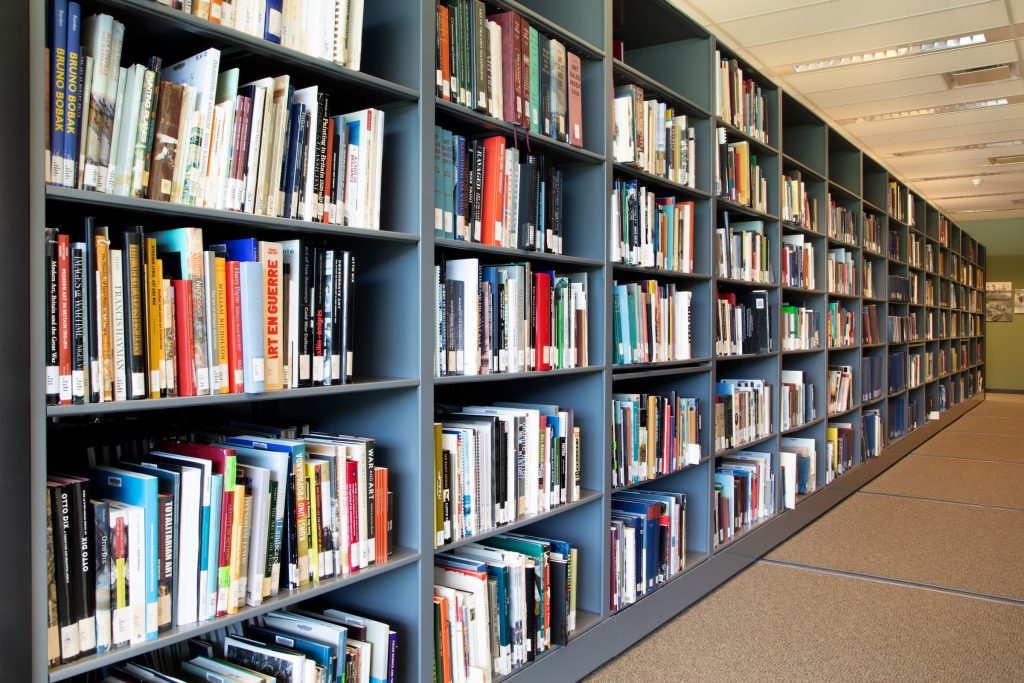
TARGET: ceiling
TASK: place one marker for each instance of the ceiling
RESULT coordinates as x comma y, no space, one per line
877,101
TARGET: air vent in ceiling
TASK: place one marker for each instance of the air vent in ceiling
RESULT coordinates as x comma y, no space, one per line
980,75
1009,159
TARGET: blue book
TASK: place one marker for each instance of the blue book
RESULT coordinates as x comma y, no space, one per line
803,468
459,181
651,513
438,187
251,276
140,490
73,98
293,156
639,525
447,183
58,88
244,249
626,340
272,24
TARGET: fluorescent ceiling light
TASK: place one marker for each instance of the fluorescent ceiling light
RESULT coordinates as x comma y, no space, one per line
976,195
939,109
907,50
956,148
968,175
1009,159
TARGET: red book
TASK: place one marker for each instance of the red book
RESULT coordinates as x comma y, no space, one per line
494,190
329,197
352,533
443,48
542,330
380,503
64,317
511,64
185,350
236,384
524,34
575,99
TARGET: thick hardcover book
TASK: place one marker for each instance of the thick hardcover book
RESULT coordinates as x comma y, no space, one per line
575,104
511,46
271,260
58,88
73,95
165,141
253,327
100,519
132,284
52,614
52,320
200,72
185,351
64,331
64,542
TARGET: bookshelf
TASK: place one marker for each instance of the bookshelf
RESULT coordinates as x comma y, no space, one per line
395,391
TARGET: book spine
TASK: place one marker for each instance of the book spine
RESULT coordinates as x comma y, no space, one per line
233,314
102,559
270,257
64,331
79,324
253,368
155,320
185,347
166,561
52,319
58,88
61,505
117,326
73,94
85,589
133,311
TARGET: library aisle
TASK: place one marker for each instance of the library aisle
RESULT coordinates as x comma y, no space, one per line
931,550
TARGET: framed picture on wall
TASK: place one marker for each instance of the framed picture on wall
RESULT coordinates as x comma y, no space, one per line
999,302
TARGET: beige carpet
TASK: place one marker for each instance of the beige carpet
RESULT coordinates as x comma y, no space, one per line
953,479
775,623
963,547
991,447
985,424
999,408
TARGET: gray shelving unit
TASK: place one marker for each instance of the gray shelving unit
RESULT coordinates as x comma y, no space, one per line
394,396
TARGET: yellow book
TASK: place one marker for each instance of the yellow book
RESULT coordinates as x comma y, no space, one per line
312,497
832,437
106,350
221,302
155,319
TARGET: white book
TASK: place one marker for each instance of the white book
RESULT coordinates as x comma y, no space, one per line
787,460
377,163
110,170
188,103
118,325
200,72
247,201
128,112
494,61
275,199
340,44
479,655
355,34
277,464
260,150
136,574
257,550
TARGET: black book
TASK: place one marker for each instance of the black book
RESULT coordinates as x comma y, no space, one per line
319,262
338,318
480,160
446,474
545,85
559,576
132,269
52,321
348,304
320,181
453,54
526,191
557,204
63,541
79,323
305,341
82,566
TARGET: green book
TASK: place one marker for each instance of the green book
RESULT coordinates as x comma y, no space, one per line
534,81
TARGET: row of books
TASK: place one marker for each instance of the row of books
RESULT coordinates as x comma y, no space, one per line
500,65
903,329
648,543
798,207
896,196
800,328
913,414
739,101
870,325
872,233
895,247
899,289
501,603
295,646
650,231
798,468
872,434
872,379
745,493
841,272
929,292
649,135
743,251
916,370
797,400
915,290
797,261
738,176
839,452
911,212
193,530
328,29
489,193
840,389
653,435
743,323
842,224
508,318
743,412
194,135
496,464
158,314
897,371
944,231
840,326
868,279
930,257
897,420
651,322
914,250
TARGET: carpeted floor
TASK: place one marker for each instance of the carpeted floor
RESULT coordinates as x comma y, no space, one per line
889,585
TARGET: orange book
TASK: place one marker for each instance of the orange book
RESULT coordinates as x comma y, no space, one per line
494,190
443,54
446,654
380,503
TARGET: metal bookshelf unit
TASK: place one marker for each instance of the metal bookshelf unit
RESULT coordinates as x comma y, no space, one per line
395,391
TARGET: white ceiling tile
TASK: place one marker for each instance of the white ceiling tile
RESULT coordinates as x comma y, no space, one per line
897,32
968,138
1017,7
935,137
875,91
720,12
932,99
900,69
798,22
966,118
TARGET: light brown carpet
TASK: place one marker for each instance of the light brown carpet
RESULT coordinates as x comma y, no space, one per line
1005,398
985,424
950,545
775,623
999,409
991,447
957,480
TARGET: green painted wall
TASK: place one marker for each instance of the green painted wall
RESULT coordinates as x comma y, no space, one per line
1004,240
